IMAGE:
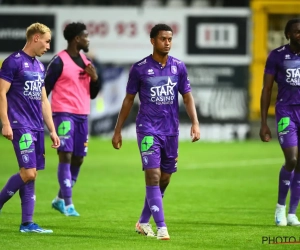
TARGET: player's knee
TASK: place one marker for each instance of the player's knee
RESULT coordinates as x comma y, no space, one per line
28,175
65,157
152,177
77,161
291,163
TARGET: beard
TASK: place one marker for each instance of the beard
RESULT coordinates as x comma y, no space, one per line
86,49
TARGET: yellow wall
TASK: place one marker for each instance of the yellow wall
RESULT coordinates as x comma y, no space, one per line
261,9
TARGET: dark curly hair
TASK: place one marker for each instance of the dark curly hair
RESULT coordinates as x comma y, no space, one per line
72,30
289,25
157,28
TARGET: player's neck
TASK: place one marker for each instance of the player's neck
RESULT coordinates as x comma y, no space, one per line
295,49
27,50
72,51
162,59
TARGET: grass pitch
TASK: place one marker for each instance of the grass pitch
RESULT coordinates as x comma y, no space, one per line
222,197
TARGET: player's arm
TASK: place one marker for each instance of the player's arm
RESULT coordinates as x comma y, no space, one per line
132,88
6,128
95,80
53,72
265,99
189,104
124,112
184,89
47,115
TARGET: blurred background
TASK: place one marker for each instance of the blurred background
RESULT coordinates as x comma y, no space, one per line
224,44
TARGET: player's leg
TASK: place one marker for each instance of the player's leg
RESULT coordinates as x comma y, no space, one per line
29,147
65,129
80,148
150,154
287,136
76,163
21,142
146,212
292,219
169,156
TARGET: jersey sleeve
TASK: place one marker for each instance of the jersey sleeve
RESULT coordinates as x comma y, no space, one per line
271,64
53,72
184,82
133,84
8,70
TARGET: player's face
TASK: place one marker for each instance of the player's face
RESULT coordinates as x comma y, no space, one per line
162,43
83,41
294,34
42,43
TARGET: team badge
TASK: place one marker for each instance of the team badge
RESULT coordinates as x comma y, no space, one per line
145,160
174,69
25,158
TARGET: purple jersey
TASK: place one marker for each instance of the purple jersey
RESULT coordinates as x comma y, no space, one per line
26,75
285,66
158,89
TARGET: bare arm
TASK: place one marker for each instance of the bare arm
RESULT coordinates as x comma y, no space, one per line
6,130
47,115
265,99
124,112
189,103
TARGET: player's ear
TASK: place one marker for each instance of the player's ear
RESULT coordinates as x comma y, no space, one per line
36,37
152,41
77,38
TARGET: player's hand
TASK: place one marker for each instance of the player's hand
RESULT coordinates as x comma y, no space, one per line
7,132
265,133
55,139
195,132
117,140
91,71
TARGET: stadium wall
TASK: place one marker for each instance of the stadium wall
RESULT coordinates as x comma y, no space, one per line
214,44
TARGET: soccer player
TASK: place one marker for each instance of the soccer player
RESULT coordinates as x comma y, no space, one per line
73,81
23,108
158,78
283,67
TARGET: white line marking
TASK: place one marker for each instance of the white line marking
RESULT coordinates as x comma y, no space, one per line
230,164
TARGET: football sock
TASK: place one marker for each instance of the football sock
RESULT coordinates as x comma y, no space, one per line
146,213
295,193
27,196
285,178
154,199
65,182
74,174
14,183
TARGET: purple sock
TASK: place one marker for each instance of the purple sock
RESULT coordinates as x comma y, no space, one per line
154,199
285,179
12,186
65,182
146,213
74,173
27,196
295,193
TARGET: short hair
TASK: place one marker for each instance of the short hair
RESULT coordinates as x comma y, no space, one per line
157,28
72,30
289,25
36,28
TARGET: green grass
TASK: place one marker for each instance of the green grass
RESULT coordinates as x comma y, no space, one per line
222,197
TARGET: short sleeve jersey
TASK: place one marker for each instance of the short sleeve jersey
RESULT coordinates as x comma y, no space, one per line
158,89
26,76
285,66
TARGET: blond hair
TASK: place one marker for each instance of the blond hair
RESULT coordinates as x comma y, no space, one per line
36,28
